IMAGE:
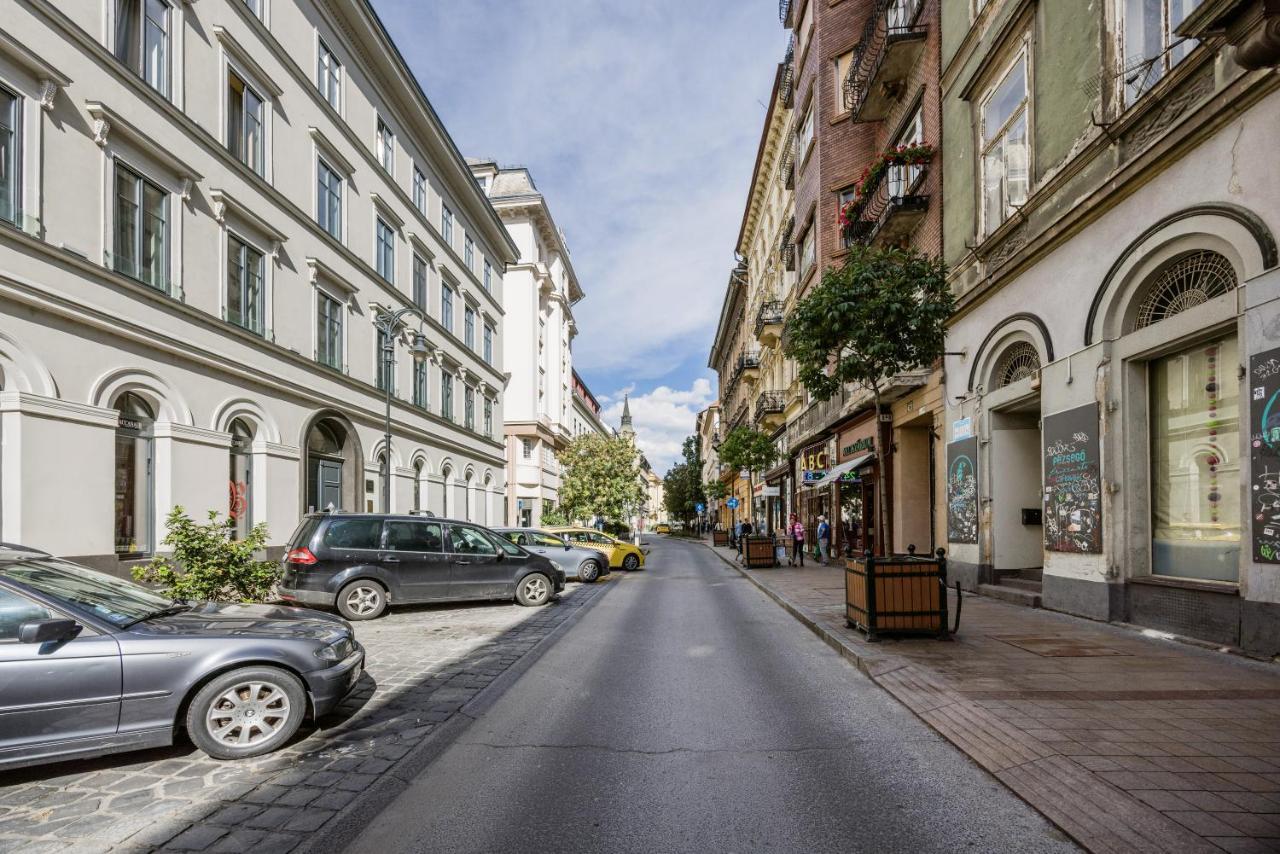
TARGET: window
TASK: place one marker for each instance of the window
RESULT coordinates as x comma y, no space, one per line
469,327
328,199
419,190
134,475
245,298
469,253
1005,152
141,229
805,135
383,358
1195,465
446,225
257,7
15,611
469,541
240,505
446,393
353,533
808,252
469,407
328,331
10,186
419,282
385,251
902,179
412,536
488,417
329,76
421,385
526,449
386,147
142,40
841,64
446,307
488,275
245,123
488,344
1151,44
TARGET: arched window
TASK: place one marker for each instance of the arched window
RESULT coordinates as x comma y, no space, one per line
1192,280
326,438
326,454
417,485
134,476
446,475
240,507
384,486
1020,360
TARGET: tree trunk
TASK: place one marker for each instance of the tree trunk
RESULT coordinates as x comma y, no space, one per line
882,465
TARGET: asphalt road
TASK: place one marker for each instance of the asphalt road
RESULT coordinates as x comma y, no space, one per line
688,713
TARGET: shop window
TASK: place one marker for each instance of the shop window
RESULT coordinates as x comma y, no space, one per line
1192,280
1195,468
417,485
134,476
240,509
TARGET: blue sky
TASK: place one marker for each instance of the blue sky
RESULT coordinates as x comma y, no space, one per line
639,120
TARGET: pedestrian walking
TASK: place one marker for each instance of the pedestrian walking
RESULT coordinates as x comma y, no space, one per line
824,540
797,541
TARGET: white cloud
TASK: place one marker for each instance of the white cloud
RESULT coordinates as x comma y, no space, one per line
663,418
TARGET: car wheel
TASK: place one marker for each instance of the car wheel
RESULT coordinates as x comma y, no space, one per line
534,589
362,600
631,563
589,571
246,712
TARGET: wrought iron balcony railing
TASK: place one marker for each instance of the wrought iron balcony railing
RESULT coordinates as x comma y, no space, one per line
877,59
784,10
786,86
769,403
770,313
786,247
895,192
749,359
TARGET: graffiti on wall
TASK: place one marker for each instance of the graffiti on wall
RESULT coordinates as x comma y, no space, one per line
1264,454
1072,482
962,491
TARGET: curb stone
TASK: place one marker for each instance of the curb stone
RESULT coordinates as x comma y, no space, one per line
351,820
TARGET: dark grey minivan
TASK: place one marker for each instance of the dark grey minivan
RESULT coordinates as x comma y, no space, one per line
362,562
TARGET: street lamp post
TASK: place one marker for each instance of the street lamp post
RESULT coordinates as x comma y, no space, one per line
386,322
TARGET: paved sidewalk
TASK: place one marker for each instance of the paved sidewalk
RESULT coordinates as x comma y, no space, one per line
1127,742
423,665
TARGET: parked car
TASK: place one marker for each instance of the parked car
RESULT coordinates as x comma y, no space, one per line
92,664
579,563
622,555
362,562
662,528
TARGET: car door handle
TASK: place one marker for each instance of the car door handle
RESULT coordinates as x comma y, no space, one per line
389,559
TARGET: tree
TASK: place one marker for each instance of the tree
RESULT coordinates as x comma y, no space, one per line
682,487
750,449
716,490
882,313
207,564
600,477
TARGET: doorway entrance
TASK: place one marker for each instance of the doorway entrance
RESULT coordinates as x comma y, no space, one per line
1017,537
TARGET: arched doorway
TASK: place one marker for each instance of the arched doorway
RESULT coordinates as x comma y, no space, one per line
240,499
333,474
446,478
417,485
134,479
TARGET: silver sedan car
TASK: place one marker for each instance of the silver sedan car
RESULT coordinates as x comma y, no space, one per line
579,564
92,664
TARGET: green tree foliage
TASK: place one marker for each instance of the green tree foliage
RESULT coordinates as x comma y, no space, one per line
208,564
748,448
716,490
554,517
601,476
682,487
882,313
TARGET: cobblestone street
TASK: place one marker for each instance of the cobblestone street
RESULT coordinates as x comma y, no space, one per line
423,665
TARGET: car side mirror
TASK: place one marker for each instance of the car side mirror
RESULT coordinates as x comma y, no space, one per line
501,555
43,631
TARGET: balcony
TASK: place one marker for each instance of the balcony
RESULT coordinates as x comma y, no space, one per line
786,248
748,366
891,44
787,85
890,209
784,11
769,409
769,321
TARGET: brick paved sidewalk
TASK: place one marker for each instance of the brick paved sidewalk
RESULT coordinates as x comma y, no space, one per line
423,665
1127,742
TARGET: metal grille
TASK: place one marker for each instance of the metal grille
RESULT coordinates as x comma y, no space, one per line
1020,361
1191,281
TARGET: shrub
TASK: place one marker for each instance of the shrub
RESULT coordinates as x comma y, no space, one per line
208,564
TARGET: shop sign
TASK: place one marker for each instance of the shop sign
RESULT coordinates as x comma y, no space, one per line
962,491
858,446
732,503
814,459
763,491
127,423
1072,482
961,428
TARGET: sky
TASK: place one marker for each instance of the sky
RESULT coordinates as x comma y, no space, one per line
639,121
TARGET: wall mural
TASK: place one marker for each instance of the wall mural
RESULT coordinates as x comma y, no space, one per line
1072,482
1264,454
962,491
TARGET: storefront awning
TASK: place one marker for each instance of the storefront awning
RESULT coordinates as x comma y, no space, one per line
840,471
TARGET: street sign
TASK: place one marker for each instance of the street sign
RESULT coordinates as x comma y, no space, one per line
519,503
699,508
732,503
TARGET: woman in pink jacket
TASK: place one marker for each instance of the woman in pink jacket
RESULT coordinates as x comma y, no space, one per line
796,529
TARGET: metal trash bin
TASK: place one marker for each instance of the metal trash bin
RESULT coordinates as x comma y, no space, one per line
899,594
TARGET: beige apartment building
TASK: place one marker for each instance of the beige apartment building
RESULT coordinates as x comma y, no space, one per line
203,209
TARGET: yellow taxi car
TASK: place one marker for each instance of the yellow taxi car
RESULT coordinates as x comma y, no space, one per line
622,555
662,528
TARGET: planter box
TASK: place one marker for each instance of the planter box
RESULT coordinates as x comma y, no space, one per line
902,594
760,553
719,538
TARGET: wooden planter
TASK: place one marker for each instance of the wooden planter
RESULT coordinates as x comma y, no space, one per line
719,538
760,553
902,594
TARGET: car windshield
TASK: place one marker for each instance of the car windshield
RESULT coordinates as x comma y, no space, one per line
115,600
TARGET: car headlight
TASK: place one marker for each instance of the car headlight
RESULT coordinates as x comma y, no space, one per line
336,651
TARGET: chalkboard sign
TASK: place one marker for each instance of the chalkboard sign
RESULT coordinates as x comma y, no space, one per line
1264,454
1072,482
962,491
